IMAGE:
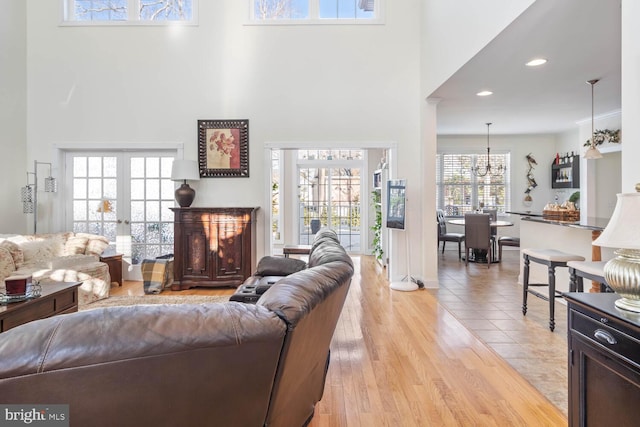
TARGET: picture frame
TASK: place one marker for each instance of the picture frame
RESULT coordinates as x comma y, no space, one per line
223,148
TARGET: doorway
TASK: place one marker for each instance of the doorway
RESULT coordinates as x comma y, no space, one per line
124,196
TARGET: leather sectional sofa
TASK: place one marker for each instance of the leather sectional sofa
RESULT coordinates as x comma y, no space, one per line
224,364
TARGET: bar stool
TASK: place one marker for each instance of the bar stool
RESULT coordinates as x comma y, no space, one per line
507,241
590,270
551,258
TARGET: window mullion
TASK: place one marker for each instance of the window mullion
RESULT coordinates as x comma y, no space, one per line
314,9
133,10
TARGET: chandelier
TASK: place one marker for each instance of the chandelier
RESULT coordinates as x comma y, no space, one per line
481,171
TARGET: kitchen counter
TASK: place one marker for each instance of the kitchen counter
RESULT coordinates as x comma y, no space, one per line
574,237
596,224
525,213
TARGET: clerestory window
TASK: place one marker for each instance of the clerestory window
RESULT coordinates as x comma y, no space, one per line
317,11
129,11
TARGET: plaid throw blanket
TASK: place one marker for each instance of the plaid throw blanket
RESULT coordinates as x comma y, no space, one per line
157,274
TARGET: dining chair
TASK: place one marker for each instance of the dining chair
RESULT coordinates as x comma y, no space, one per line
477,231
444,236
493,214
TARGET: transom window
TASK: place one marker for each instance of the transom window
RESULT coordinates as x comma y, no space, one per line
315,10
130,11
458,191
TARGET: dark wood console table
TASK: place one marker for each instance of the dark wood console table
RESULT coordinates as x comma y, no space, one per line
55,298
604,361
213,246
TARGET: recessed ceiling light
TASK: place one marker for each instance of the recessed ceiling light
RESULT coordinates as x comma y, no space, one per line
536,62
484,93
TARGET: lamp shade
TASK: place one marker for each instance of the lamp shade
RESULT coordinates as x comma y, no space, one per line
623,229
185,170
592,153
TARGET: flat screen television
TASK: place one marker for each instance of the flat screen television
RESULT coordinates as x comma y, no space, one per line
396,203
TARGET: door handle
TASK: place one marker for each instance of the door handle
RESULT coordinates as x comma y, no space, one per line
604,336
126,221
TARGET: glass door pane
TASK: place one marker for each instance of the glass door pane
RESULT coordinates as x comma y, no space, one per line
152,194
329,197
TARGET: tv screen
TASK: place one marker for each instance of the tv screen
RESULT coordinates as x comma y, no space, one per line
396,203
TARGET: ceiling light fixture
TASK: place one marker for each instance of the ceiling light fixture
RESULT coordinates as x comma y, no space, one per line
592,153
488,169
484,93
536,62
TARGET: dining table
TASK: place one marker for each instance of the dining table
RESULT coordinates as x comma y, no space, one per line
480,255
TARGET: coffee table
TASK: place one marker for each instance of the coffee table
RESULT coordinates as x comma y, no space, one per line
55,298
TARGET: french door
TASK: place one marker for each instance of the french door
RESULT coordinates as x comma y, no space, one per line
124,196
330,197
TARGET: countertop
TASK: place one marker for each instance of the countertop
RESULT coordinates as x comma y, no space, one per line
597,224
525,213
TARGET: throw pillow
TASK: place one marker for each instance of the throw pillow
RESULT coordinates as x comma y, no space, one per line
6,264
96,244
15,251
278,266
38,250
75,245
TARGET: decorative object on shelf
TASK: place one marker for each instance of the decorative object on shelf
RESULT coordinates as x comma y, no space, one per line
592,153
488,169
183,170
223,148
575,199
531,182
622,273
30,192
606,135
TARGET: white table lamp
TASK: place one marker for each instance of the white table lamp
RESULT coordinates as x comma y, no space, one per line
623,233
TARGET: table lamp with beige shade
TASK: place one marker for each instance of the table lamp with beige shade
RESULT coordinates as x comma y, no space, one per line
622,273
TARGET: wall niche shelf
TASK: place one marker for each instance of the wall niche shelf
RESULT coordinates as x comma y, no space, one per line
567,174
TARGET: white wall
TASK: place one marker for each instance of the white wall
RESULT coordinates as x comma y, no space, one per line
13,89
630,94
293,83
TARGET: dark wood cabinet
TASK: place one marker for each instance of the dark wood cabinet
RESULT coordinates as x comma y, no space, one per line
604,361
213,246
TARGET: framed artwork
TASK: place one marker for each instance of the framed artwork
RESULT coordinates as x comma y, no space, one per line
223,148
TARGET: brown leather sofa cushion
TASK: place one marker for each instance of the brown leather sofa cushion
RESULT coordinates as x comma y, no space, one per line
279,266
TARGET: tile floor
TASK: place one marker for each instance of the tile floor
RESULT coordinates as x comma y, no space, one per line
489,301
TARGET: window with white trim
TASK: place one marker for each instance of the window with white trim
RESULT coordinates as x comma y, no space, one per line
458,191
129,11
314,10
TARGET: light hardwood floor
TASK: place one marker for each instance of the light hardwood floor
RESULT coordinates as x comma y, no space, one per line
403,359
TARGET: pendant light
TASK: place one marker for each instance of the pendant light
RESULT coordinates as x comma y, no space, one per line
592,152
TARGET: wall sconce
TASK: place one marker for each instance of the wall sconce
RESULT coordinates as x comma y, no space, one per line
29,192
